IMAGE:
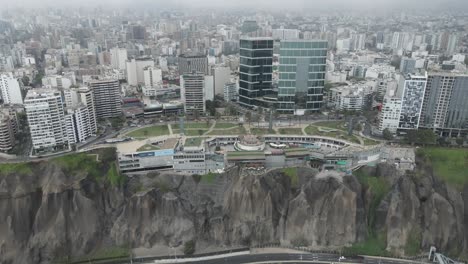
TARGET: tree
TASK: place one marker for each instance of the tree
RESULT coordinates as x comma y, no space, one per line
460,141
387,135
422,136
217,116
248,117
25,80
189,247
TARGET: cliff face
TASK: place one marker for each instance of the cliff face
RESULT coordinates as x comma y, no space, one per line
50,214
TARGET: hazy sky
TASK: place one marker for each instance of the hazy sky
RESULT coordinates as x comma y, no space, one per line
277,4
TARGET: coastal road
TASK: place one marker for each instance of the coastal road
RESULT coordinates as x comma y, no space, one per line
317,258
275,258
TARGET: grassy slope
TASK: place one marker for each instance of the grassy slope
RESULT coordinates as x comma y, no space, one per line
450,165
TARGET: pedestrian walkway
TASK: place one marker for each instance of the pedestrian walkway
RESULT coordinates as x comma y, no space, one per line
169,126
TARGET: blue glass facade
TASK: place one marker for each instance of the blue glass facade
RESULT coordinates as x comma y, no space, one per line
301,75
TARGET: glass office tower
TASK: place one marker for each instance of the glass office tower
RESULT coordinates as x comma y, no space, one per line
256,58
301,75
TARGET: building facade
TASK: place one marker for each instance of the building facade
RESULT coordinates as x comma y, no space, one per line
301,75
255,73
118,58
78,124
414,88
193,62
192,92
7,129
106,97
221,75
445,101
152,76
10,89
45,113
230,92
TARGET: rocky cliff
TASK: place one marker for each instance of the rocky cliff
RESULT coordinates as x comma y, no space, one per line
49,213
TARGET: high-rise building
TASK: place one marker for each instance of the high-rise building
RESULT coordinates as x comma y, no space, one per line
152,76
106,96
282,34
301,75
10,89
407,65
189,63
414,88
7,129
255,73
445,101
137,32
45,113
78,101
249,27
78,124
390,114
135,70
118,58
230,91
192,92
221,75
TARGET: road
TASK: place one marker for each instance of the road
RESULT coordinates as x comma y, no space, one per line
273,258
318,258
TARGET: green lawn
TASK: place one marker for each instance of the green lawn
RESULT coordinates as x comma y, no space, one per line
332,124
261,131
112,252
225,125
450,165
152,131
339,134
233,131
191,132
202,125
290,131
148,147
194,142
369,142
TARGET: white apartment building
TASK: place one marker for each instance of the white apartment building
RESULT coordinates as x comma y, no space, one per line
78,124
7,129
45,113
347,98
58,81
230,92
221,75
10,89
135,68
152,76
75,100
390,115
118,58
